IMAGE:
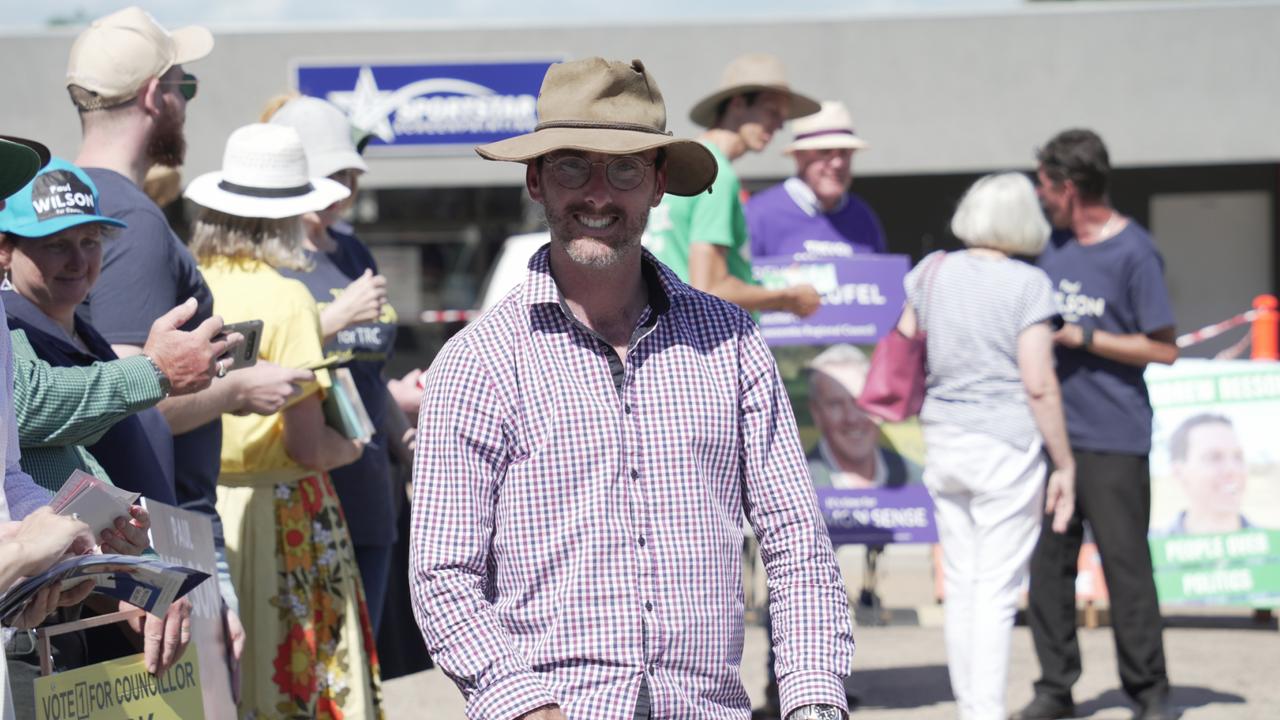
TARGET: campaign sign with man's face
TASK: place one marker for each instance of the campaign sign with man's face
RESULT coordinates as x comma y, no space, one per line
1215,482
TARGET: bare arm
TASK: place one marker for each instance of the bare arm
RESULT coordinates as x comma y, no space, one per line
311,443
1044,397
360,302
709,272
262,389
188,412
1135,349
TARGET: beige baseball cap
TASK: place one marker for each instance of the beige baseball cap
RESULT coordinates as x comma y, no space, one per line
116,55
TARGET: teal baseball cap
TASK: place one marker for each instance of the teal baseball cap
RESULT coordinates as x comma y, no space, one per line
60,196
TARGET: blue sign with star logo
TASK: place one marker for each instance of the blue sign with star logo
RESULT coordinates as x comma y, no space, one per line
439,108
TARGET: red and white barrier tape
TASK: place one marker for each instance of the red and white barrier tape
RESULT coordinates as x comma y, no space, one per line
1212,331
448,316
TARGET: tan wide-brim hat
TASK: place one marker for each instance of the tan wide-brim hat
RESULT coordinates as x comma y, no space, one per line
757,72
610,107
831,128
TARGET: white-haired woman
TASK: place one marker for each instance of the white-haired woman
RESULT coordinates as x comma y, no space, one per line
992,408
309,646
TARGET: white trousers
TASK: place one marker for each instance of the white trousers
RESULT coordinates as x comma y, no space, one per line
989,503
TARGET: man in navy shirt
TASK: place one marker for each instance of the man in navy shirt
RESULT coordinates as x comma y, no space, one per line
1109,283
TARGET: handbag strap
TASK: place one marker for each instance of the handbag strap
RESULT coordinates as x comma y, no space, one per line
926,283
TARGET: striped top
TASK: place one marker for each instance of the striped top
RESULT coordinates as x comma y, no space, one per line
572,543
974,309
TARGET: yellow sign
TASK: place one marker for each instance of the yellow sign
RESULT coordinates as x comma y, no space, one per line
124,690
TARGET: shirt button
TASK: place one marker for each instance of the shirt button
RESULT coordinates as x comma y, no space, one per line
648,606
635,474
628,408
641,541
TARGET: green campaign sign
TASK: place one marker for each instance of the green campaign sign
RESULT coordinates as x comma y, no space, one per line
1215,482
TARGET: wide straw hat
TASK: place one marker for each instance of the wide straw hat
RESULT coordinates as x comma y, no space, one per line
60,196
116,55
610,107
757,72
326,134
831,128
264,175
20,160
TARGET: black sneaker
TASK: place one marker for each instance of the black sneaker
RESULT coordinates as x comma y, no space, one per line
1043,707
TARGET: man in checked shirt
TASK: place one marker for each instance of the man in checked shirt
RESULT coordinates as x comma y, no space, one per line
587,450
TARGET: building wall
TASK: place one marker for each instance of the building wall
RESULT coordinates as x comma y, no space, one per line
1166,84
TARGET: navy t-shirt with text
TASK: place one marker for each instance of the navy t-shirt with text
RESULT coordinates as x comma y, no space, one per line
146,271
365,487
1116,286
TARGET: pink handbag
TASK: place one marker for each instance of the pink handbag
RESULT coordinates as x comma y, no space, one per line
895,385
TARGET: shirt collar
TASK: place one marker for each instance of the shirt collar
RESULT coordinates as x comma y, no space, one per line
879,478
28,313
664,287
804,196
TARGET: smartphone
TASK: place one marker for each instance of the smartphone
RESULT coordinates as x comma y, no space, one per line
245,354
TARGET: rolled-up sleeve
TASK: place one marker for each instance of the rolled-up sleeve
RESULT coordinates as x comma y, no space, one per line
812,633
461,455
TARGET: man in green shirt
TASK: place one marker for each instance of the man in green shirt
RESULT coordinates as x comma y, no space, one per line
704,238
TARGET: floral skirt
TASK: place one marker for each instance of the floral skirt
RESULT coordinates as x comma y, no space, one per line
309,650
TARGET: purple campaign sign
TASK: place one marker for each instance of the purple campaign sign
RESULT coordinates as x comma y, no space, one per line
862,297
876,517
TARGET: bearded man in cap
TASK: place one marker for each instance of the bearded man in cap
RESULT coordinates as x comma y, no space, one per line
587,449
814,215
125,76
703,237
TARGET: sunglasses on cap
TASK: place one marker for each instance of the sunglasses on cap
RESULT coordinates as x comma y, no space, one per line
187,86
572,171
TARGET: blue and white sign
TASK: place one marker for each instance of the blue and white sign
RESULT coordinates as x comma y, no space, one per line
421,109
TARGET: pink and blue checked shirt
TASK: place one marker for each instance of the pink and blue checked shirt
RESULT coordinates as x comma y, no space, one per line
573,538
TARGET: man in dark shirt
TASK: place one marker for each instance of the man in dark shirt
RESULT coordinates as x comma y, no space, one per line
125,78
1109,282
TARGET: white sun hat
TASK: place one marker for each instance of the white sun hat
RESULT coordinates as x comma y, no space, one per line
264,175
326,135
831,128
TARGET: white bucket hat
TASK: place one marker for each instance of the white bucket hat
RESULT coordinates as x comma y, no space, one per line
264,175
326,135
831,128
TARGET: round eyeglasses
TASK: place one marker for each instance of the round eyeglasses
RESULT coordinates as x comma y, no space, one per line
573,171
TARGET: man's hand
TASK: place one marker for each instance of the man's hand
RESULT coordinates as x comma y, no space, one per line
187,358
50,598
407,393
550,712
360,302
802,300
45,538
130,534
163,639
1069,335
234,632
1060,498
265,388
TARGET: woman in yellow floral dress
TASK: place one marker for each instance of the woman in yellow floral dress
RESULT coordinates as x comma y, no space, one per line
310,652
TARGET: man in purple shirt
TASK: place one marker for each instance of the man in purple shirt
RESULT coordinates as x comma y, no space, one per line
587,450
813,215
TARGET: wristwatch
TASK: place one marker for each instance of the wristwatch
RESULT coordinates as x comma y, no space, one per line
165,385
817,712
